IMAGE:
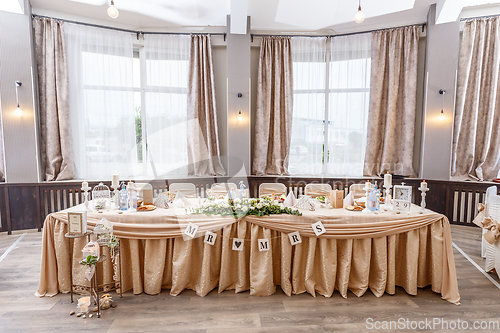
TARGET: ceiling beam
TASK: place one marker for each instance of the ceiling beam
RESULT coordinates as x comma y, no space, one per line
239,12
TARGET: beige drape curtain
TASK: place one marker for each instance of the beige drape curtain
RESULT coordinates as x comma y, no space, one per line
273,120
476,136
203,140
53,90
393,100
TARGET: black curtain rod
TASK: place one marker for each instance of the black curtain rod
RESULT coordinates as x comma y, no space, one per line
134,31
340,35
478,17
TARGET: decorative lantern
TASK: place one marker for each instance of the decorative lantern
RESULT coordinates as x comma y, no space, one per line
101,197
103,232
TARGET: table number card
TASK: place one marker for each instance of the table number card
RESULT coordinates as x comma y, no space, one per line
210,238
191,230
238,244
318,228
77,223
263,244
401,206
295,238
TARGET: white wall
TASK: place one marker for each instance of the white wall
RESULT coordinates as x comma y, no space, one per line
16,64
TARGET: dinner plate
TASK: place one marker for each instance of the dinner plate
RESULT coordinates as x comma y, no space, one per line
149,208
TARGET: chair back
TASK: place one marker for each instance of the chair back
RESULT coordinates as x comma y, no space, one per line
316,190
493,203
188,189
358,190
221,188
267,189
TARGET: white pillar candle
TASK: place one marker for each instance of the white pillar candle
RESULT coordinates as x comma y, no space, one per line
131,184
367,184
423,185
115,182
387,179
85,186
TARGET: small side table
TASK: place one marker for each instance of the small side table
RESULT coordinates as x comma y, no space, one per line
70,237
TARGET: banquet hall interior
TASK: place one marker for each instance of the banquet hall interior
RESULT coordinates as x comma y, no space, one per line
249,165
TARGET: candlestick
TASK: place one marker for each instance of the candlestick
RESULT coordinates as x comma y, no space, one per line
387,179
116,200
387,203
85,186
367,189
423,189
115,180
85,189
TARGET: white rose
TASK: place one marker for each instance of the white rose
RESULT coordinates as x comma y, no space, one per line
237,200
259,206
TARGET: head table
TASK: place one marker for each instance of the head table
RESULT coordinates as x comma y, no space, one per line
358,251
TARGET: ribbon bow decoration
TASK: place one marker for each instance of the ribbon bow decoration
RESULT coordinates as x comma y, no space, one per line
493,227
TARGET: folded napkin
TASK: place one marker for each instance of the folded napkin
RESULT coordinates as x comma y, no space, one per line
306,202
290,200
349,200
180,200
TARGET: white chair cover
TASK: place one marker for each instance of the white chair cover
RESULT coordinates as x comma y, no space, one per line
188,189
315,190
358,191
221,188
492,254
267,189
492,190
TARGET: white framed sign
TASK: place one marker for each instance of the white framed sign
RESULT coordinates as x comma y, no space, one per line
401,205
77,223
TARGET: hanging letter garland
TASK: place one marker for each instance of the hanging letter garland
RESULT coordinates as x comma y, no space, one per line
318,228
191,230
295,238
210,238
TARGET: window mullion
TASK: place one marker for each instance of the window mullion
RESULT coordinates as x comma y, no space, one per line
327,107
142,58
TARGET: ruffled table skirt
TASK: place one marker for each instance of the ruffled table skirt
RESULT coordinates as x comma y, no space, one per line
410,259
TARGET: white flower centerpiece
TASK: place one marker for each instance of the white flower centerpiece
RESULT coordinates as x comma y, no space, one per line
242,207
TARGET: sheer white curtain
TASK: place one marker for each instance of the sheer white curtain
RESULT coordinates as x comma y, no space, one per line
348,104
100,70
165,111
331,86
309,91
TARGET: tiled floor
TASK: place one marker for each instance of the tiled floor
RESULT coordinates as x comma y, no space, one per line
21,311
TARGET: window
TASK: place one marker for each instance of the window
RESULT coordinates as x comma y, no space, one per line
125,101
331,99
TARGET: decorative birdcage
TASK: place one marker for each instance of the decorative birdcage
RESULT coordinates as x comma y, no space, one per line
103,232
92,249
101,197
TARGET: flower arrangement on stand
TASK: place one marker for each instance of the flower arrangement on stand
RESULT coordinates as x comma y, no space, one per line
241,207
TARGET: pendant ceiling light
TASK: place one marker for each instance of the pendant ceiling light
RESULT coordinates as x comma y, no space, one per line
359,17
112,11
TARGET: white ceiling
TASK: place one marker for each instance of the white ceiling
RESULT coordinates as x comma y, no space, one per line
332,16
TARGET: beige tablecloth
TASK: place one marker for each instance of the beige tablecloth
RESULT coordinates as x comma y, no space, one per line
358,251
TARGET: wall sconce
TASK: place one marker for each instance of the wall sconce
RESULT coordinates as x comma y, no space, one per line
112,11
442,92
18,112
240,117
